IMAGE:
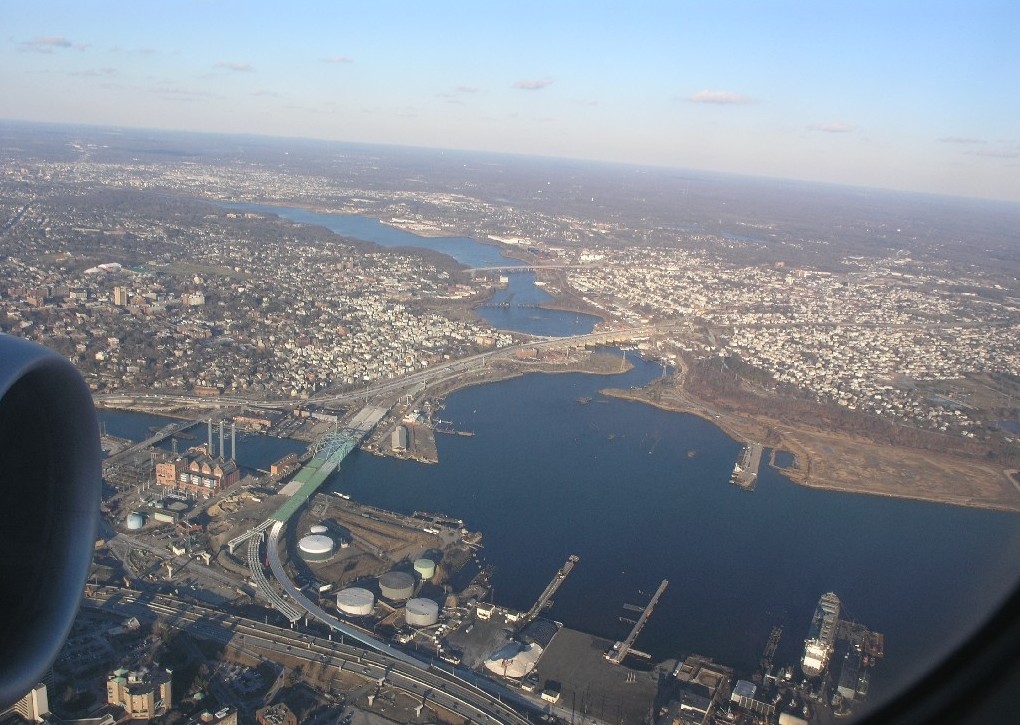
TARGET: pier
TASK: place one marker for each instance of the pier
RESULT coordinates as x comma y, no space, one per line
546,596
446,426
770,650
620,650
745,471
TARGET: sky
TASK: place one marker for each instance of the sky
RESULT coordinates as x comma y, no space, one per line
912,95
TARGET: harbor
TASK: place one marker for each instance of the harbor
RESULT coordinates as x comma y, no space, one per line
485,482
619,651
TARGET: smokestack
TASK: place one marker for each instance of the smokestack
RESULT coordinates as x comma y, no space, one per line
233,440
221,439
209,447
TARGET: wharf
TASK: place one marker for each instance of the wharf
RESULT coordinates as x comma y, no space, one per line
770,650
745,471
619,651
592,686
858,635
550,589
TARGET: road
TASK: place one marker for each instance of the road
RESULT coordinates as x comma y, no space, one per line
428,682
121,545
395,385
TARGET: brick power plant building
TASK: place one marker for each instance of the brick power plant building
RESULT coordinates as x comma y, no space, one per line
198,473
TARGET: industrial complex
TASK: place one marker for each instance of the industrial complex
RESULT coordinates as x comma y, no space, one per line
411,590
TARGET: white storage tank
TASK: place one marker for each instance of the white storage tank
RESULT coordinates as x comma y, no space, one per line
355,601
425,568
316,547
421,612
319,529
396,585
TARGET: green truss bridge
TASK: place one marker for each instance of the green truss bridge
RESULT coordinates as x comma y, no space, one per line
327,454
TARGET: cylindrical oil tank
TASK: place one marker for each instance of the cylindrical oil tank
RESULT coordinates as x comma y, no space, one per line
319,529
425,568
316,547
356,601
396,585
421,612
135,521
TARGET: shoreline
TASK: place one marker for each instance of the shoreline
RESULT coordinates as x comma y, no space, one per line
946,477
847,464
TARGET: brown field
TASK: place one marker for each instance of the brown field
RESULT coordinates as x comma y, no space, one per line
836,461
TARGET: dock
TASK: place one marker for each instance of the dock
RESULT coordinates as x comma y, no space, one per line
550,589
770,650
745,470
862,638
446,426
620,650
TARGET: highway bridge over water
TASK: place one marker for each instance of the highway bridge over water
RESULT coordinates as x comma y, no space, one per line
328,453
517,268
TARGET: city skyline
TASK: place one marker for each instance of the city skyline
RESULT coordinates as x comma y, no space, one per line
905,97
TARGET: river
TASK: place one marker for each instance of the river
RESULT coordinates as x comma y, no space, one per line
642,495
522,295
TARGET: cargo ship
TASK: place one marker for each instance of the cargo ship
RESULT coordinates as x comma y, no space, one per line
821,637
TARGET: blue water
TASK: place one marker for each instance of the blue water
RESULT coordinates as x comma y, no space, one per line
521,290
465,250
253,451
643,495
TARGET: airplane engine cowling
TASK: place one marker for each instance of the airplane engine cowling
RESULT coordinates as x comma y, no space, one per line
50,483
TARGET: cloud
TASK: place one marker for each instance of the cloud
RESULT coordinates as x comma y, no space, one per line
996,153
239,67
271,94
46,43
720,97
176,93
337,59
533,84
454,95
837,127
961,140
94,72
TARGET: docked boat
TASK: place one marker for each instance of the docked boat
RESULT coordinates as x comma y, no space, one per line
821,637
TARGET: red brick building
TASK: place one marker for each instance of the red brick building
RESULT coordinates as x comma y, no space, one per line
197,474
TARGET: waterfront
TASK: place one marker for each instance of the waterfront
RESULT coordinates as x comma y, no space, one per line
521,289
523,314
642,494
254,452
465,250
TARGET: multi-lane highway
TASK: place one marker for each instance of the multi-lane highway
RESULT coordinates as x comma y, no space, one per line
461,693
435,687
398,384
